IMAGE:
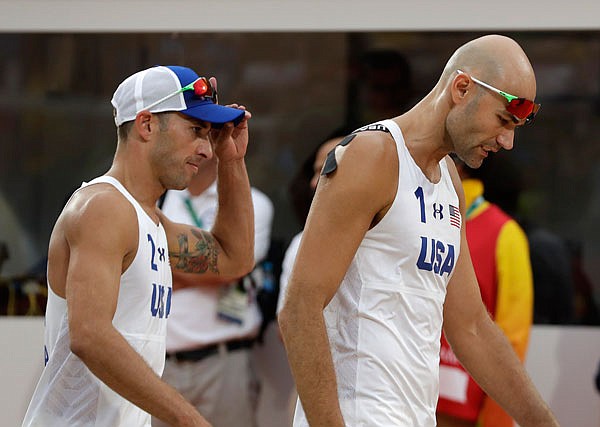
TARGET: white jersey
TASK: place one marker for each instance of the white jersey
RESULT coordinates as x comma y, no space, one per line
384,323
68,394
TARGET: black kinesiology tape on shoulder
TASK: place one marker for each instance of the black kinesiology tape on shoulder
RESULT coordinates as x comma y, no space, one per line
331,162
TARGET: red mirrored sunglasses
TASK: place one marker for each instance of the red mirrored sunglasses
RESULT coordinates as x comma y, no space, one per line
521,108
202,88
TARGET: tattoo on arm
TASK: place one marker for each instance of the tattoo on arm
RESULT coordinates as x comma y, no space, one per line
201,258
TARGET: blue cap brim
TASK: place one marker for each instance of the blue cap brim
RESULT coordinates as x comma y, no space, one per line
214,113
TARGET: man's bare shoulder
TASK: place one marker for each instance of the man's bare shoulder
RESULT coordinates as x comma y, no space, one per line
369,150
97,207
364,168
373,139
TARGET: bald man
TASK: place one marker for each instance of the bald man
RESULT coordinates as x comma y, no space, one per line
384,261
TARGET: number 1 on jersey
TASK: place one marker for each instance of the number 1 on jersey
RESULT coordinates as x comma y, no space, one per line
421,198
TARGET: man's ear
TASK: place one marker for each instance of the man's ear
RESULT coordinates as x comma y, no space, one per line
143,124
460,87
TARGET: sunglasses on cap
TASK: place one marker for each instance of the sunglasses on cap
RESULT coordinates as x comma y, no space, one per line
202,88
521,108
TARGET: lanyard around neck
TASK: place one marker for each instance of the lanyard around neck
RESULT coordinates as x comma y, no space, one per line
476,203
192,212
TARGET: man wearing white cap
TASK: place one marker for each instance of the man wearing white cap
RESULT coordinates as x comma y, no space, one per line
111,254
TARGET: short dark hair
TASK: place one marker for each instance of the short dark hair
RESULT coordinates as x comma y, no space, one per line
125,128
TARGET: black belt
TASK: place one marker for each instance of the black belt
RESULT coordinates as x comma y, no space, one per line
209,350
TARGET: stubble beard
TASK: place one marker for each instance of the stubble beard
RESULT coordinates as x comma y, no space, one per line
465,148
171,174
173,177
470,157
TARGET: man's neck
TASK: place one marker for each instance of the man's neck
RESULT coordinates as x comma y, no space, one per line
138,181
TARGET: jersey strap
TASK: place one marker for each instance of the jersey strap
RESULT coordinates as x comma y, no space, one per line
331,163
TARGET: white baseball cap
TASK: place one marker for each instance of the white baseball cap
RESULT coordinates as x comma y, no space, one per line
171,88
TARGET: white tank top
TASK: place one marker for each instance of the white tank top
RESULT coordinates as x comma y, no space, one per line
68,394
384,323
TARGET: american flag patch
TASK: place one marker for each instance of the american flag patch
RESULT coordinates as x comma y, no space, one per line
455,218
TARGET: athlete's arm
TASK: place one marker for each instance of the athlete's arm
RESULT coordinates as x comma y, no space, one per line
100,246
227,251
345,205
481,346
